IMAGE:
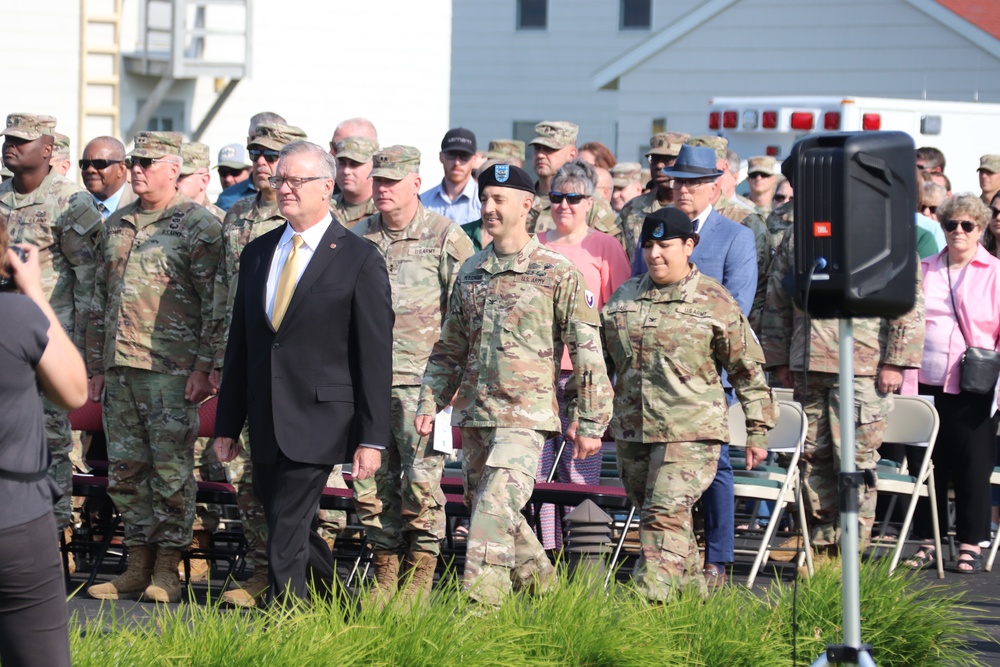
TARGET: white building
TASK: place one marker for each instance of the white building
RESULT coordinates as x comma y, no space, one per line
315,62
621,84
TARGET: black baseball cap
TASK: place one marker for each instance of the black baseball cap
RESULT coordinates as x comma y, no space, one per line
459,139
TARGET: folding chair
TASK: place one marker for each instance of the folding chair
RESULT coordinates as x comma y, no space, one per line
914,422
777,484
994,481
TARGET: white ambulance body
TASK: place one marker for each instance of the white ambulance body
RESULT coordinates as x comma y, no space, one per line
963,131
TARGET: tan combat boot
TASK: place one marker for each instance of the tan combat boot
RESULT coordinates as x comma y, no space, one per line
247,594
419,577
166,585
131,583
386,564
202,539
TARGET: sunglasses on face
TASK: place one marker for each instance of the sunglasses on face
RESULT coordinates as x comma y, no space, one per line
929,208
99,165
144,162
269,155
758,174
780,199
952,225
227,172
571,198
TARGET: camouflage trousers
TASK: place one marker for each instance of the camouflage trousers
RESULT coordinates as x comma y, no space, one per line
821,456
331,522
402,506
249,507
664,481
208,468
59,437
151,429
502,551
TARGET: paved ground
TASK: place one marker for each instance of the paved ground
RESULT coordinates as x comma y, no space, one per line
982,590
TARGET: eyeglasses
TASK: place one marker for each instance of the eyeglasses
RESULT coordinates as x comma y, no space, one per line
571,198
228,172
952,225
99,165
269,155
929,208
461,156
692,184
144,162
758,174
780,199
293,182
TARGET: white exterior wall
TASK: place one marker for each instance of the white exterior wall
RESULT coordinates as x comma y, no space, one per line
879,48
324,61
500,74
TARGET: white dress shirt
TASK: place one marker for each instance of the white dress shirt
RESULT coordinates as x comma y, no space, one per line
310,242
700,221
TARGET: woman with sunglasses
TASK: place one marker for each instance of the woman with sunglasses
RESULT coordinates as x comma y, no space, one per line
962,301
991,236
604,265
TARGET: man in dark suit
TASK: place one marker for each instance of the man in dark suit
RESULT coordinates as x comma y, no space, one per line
308,361
726,252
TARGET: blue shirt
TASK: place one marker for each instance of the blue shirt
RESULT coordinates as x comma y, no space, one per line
465,208
235,192
934,228
109,205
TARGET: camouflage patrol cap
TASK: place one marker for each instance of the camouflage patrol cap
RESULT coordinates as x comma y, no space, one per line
990,163
359,149
60,145
29,126
395,162
666,143
195,156
506,149
555,134
624,173
717,144
275,135
157,144
763,164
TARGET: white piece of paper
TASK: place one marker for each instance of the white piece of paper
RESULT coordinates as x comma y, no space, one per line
442,432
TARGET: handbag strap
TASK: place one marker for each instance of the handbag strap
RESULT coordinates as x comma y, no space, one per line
951,291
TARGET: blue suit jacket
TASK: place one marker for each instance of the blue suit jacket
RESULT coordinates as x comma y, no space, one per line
726,252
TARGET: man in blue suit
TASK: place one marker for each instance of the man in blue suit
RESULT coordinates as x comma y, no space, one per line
727,253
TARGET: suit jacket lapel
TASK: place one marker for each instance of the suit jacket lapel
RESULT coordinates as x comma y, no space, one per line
324,254
265,258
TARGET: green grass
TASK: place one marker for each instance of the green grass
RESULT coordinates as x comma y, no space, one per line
577,623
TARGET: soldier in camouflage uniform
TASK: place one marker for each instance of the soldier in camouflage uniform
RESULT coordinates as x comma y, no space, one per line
354,166
669,425
882,349
555,145
626,179
151,342
247,219
60,161
663,150
40,207
509,151
782,214
762,175
515,305
402,506
194,177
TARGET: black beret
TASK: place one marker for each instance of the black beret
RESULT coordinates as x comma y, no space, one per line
506,176
666,223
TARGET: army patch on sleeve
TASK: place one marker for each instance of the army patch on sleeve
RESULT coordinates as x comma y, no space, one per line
588,296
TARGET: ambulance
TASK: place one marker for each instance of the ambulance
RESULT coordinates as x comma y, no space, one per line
963,131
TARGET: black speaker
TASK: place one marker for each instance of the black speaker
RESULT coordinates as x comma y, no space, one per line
855,226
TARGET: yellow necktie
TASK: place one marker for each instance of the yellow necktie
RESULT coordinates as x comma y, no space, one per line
286,282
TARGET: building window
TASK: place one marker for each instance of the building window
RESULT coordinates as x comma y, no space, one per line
635,15
169,117
532,14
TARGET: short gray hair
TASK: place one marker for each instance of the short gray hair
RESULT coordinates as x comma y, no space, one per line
576,172
328,163
733,158
964,204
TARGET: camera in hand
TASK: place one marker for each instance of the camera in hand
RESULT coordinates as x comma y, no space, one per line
7,283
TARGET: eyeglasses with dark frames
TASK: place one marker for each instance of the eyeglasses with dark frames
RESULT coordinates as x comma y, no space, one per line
952,225
293,182
144,162
269,155
99,165
571,198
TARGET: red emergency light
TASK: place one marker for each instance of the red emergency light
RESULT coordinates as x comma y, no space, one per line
714,120
871,121
802,120
773,151
769,120
831,120
729,119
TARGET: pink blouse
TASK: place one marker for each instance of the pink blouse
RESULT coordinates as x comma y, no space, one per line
603,263
977,297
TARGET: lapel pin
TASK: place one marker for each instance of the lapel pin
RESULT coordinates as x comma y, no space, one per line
333,245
